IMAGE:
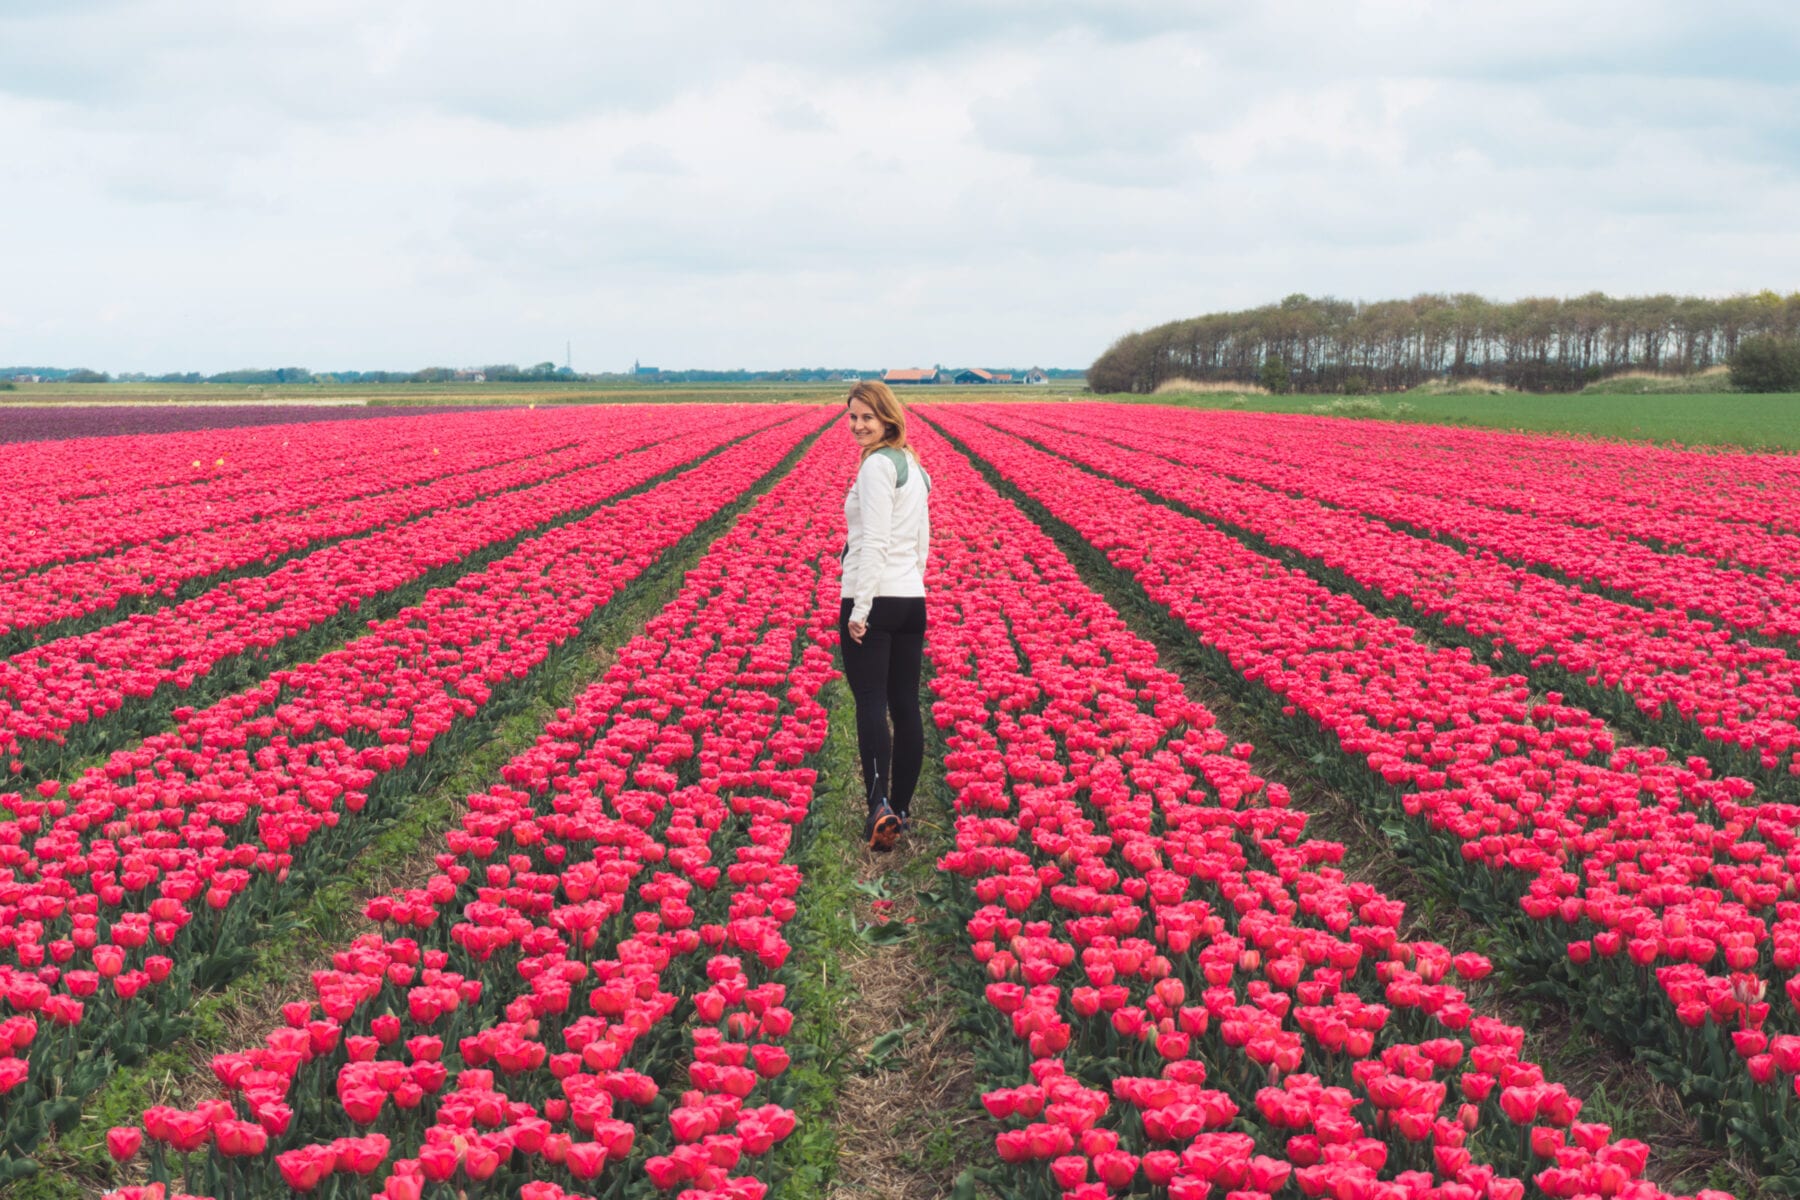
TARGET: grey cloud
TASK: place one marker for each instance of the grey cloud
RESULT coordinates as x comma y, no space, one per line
436,180
1102,113
1630,127
1735,42
797,115
853,221
134,189
527,64
1532,41
1058,116
963,31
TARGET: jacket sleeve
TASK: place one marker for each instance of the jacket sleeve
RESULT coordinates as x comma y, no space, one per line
875,497
925,530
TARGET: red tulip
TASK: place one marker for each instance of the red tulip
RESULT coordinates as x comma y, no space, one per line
1103,826
1069,1171
480,1161
1160,1166
664,1172
238,1139
1116,1168
438,1162
122,1142
303,1169
361,1155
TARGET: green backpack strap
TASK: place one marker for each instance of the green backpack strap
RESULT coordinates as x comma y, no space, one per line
898,458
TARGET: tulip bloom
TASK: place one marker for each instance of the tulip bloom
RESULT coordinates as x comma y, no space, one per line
1295,1001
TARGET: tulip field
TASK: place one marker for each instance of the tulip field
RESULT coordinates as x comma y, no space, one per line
1561,677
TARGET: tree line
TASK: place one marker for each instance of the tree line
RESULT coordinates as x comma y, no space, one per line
1323,344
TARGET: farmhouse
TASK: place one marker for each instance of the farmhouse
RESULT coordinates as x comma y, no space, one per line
911,375
1036,376
977,375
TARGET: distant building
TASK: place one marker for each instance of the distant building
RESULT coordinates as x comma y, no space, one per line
977,375
639,369
911,375
1036,376
471,377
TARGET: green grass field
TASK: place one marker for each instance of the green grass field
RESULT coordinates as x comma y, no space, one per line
1757,422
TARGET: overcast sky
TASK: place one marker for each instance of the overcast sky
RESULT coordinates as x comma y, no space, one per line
208,184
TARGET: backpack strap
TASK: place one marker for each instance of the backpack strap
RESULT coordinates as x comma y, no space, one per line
898,458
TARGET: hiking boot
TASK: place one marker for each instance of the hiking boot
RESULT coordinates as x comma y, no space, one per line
882,829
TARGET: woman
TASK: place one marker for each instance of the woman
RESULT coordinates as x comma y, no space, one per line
882,617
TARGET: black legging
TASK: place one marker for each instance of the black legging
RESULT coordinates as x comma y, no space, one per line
883,670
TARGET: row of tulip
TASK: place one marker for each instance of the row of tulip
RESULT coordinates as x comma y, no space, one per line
67,469
238,478
1696,686
60,423
80,595
148,876
1733,508
60,702
1619,873
1764,603
1187,993
588,996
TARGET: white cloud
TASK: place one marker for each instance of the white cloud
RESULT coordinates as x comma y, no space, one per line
648,158
799,115
750,184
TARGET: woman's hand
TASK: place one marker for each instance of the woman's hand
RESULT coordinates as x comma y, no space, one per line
857,629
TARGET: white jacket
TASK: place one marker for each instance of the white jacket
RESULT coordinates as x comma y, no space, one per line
889,533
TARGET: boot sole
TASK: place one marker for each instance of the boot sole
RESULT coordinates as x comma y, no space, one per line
885,833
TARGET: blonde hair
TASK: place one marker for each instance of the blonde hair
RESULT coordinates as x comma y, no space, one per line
888,410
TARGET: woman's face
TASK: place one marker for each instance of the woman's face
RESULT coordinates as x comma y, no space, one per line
865,426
